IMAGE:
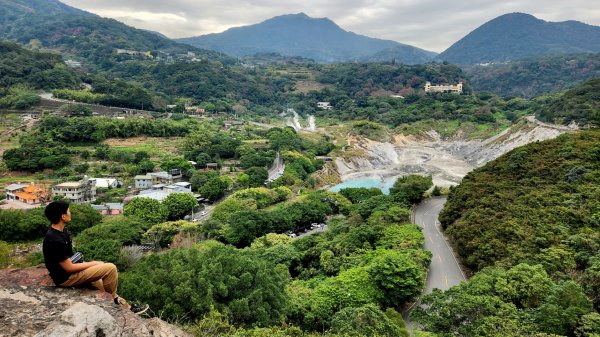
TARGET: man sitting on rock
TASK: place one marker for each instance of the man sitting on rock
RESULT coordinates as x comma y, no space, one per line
58,250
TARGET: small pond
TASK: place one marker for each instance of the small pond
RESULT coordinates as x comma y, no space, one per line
384,185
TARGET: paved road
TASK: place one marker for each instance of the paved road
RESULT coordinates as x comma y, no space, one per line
444,270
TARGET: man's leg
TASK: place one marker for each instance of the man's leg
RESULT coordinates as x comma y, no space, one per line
105,273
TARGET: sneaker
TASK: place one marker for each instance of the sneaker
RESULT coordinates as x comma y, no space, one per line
121,301
139,309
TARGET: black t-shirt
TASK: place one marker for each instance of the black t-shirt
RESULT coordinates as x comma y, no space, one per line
57,247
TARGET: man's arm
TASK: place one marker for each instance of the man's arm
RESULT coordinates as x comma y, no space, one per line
71,267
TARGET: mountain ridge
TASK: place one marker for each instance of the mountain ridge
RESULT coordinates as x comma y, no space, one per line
518,35
320,39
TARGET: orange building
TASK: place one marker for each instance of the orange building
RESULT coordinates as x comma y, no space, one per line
29,194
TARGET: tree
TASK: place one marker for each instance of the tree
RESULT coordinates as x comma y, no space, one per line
213,189
561,311
366,320
103,242
411,187
257,176
102,151
4,254
163,233
82,168
245,226
589,325
186,284
75,110
201,177
150,211
179,205
398,276
176,163
361,194
82,217
202,159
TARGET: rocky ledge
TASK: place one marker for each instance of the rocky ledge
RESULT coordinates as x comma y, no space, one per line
32,306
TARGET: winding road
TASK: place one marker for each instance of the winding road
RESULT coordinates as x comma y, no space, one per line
444,270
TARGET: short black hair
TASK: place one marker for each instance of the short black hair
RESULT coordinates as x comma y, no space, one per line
55,210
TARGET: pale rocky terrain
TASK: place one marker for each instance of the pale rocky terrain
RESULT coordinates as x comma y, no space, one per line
31,306
446,160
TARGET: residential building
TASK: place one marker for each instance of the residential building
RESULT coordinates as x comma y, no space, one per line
324,105
194,109
30,194
167,178
457,89
106,182
73,63
161,191
143,181
79,192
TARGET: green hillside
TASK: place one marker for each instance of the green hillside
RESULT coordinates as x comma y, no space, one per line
88,37
528,224
580,104
534,76
538,204
34,69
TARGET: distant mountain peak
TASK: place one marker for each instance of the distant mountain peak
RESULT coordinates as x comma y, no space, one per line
300,35
515,36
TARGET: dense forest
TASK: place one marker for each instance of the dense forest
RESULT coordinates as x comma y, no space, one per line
534,76
537,205
22,70
580,104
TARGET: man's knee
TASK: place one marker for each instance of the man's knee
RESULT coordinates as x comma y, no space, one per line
111,267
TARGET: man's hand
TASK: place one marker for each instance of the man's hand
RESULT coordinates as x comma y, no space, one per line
71,267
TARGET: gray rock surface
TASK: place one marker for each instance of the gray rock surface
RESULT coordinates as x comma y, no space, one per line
446,160
31,306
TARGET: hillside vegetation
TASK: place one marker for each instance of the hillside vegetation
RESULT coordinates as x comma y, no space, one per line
580,104
54,25
538,204
22,70
534,76
528,224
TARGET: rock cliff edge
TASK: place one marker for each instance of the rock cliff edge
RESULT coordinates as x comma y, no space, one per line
30,305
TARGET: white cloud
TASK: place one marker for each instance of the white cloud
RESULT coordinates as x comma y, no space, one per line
428,24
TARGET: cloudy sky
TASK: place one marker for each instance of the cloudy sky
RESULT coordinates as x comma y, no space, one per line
428,24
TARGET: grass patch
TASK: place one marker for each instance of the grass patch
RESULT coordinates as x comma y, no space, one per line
157,147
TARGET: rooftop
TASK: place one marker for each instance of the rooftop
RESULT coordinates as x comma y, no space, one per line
69,184
13,187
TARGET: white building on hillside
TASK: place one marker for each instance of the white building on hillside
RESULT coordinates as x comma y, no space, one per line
143,181
106,182
161,191
457,89
324,105
79,192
